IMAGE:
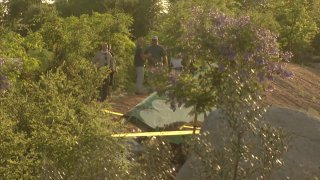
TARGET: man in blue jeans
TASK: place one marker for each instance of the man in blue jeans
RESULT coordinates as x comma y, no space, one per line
139,59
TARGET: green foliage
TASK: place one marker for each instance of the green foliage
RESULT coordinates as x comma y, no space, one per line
143,12
298,28
14,53
294,21
169,26
13,147
316,44
53,128
23,16
232,60
81,37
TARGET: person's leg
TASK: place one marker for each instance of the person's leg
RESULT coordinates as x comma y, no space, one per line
104,89
111,83
140,79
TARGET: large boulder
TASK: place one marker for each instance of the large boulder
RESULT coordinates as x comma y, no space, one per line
301,161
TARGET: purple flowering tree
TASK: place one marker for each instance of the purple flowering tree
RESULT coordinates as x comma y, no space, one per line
233,64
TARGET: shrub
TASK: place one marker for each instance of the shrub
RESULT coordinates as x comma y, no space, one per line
58,130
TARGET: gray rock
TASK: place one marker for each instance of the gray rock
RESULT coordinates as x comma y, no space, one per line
301,161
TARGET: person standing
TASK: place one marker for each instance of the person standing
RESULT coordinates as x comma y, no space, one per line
157,65
104,58
156,53
139,59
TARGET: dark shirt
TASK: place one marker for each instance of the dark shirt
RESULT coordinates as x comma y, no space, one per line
138,61
157,52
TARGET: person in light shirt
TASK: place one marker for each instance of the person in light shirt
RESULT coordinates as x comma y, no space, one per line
104,58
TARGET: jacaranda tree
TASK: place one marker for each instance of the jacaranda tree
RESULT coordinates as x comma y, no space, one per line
233,61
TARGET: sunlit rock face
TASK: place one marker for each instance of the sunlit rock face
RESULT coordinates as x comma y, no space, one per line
301,161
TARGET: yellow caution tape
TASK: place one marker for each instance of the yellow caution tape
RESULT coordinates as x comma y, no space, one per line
162,133
189,127
115,113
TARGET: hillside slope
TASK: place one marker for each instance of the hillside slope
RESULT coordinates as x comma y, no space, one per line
301,93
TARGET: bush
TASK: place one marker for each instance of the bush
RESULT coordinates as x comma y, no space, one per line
80,38
58,130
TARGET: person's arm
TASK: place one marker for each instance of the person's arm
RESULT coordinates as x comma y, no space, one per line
111,62
142,54
114,61
146,55
164,58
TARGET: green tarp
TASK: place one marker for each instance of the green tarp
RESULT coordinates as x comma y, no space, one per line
154,113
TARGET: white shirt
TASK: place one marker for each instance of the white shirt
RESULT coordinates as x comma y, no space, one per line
176,62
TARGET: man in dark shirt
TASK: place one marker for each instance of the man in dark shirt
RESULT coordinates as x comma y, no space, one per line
139,66
156,54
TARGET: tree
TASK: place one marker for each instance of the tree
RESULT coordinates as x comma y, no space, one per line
298,28
23,16
233,61
81,37
294,21
144,12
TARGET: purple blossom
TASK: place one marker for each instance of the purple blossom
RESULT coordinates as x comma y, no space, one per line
3,78
287,74
221,67
261,55
272,67
243,21
229,53
260,61
269,76
220,20
286,56
247,56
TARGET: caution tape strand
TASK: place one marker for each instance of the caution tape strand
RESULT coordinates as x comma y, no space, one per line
162,133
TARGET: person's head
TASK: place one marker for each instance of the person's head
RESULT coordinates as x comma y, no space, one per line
104,47
140,42
154,40
179,55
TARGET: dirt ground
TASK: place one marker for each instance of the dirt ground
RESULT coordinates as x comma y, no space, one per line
301,93
125,102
